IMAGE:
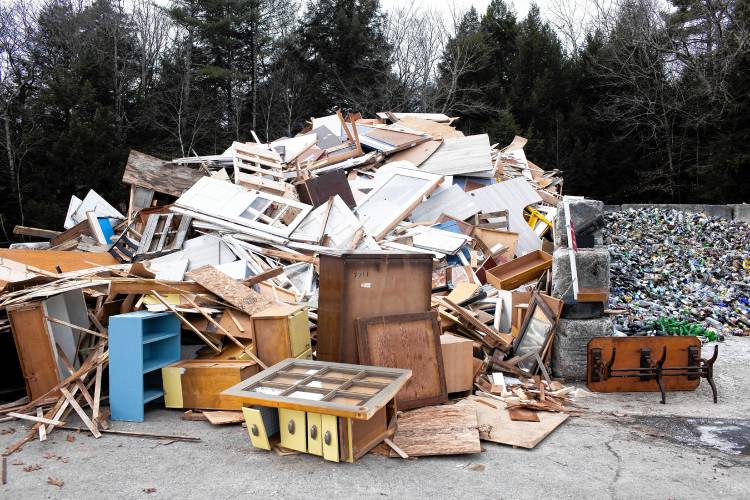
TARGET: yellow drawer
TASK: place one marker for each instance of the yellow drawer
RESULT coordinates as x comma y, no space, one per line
329,425
293,429
299,333
314,434
256,429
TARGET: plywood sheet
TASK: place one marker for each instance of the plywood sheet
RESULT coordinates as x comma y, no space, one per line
435,129
461,155
406,341
237,294
513,195
438,430
161,176
496,425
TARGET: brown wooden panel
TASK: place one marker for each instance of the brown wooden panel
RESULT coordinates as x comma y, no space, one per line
406,341
629,356
231,290
49,260
358,285
317,190
519,271
203,382
35,354
438,430
152,173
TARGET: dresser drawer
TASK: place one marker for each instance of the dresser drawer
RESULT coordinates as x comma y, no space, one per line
314,434
330,428
256,429
293,429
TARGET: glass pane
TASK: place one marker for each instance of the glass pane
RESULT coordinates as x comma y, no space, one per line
307,395
273,391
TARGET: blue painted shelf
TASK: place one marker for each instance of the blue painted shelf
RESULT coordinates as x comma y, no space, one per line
140,343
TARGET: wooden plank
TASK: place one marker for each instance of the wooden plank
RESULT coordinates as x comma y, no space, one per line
496,425
186,322
478,325
406,341
224,417
158,175
86,420
35,232
32,418
141,286
265,275
438,430
237,294
51,260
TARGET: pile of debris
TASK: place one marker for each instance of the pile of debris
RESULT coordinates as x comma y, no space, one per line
363,273
672,267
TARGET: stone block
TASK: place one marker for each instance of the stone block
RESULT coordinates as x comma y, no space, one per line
569,347
581,211
593,271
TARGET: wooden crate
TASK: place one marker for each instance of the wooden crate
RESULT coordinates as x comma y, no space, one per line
519,271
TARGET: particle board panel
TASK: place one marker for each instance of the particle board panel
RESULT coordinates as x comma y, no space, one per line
457,353
50,260
513,195
416,155
158,175
461,155
496,425
406,341
438,430
232,291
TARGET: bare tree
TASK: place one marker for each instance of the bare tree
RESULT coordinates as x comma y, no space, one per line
151,28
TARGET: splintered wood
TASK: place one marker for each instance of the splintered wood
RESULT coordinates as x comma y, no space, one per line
438,430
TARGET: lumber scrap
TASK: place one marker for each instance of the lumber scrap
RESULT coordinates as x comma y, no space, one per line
237,294
158,175
438,430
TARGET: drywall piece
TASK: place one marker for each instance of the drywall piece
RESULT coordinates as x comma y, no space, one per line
238,269
75,202
71,308
391,201
341,228
326,137
331,122
149,172
201,251
462,155
452,201
290,148
513,195
253,209
170,270
496,425
92,202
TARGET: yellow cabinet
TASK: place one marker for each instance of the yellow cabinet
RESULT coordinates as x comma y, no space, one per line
330,430
314,434
282,331
293,429
256,428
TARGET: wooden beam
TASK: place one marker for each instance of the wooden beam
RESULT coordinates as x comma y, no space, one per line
254,280
82,414
187,323
142,286
75,327
32,418
35,232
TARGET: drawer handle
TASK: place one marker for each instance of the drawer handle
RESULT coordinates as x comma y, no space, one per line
290,426
314,432
254,430
327,438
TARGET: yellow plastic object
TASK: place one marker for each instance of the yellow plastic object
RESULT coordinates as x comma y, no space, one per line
314,434
293,429
330,437
256,429
535,216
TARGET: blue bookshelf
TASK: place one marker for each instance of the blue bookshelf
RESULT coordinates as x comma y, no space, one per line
140,344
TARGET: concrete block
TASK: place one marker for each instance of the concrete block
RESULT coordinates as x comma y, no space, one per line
593,271
581,211
569,346
742,212
720,211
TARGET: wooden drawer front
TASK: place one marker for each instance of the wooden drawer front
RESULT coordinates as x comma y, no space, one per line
314,434
293,429
330,429
299,333
256,429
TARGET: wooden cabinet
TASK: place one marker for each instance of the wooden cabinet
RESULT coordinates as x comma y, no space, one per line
198,383
282,331
337,411
360,285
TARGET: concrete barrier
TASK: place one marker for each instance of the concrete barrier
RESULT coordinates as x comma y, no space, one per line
739,212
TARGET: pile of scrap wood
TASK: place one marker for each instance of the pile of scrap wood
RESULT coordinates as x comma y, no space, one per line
222,266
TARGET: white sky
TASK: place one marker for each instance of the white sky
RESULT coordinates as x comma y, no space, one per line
520,6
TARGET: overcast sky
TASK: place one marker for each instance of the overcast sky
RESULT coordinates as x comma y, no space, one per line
520,6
